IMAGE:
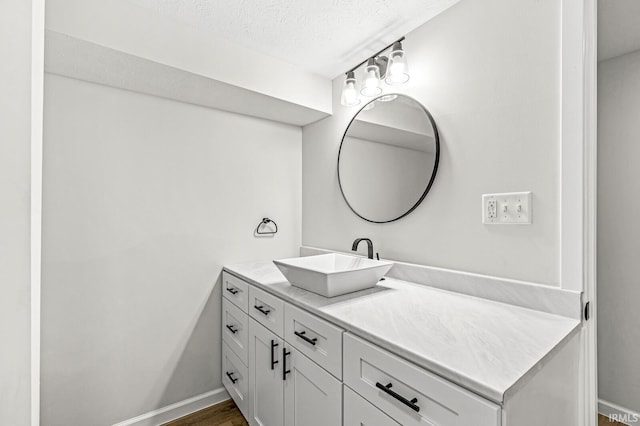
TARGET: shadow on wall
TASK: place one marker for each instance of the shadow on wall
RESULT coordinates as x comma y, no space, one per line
201,352
144,200
120,341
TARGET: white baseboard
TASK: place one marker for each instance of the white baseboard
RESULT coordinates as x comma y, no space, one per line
177,410
616,412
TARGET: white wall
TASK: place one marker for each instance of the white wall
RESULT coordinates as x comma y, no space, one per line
489,72
145,199
619,231
126,27
21,50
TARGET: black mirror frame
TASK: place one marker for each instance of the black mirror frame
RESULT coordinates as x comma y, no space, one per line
435,164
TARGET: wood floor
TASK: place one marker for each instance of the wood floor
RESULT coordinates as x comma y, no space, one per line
604,421
223,414
227,414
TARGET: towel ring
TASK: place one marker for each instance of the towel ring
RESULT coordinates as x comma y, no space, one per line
264,222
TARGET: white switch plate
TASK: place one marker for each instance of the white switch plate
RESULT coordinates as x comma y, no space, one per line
508,208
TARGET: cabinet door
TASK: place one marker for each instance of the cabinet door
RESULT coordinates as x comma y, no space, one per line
315,338
235,290
267,309
235,330
359,412
235,379
266,385
313,397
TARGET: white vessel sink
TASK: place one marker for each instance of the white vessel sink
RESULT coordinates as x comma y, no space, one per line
333,274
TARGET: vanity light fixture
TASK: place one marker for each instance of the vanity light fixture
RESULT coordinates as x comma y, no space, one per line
349,91
398,71
392,69
371,84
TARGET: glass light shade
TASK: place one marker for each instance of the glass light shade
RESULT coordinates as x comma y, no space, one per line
398,70
371,83
349,92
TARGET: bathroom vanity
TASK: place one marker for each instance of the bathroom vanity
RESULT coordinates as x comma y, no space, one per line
400,353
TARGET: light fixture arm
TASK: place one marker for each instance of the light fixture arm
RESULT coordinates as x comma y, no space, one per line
374,56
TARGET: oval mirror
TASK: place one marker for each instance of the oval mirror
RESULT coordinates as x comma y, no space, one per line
388,158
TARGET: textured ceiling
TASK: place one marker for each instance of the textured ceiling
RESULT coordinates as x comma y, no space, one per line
618,27
322,36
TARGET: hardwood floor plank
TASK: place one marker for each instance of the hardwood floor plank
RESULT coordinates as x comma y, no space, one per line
604,421
223,414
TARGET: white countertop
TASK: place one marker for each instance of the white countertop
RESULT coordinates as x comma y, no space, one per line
488,347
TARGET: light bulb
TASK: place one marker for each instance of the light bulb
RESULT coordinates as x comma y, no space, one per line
349,92
398,71
371,84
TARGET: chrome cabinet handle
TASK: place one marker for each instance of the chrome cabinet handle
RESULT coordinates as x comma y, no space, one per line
301,334
409,403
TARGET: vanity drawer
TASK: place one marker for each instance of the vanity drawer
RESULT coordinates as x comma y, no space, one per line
235,290
235,378
268,310
359,412
314,337
235,330
415,397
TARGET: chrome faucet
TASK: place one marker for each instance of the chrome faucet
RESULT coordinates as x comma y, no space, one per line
354,247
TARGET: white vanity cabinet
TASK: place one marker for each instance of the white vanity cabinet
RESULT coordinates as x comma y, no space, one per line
293,374
286,387
284,366
440,358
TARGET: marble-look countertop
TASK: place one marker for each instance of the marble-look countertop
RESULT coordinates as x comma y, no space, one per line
488,347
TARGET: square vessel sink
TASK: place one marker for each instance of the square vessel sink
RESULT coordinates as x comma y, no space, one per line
333,274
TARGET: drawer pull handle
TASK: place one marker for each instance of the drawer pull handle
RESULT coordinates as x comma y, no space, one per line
261,309
232,290
231,329
273,355
387,389
230,376
301,334
285,353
